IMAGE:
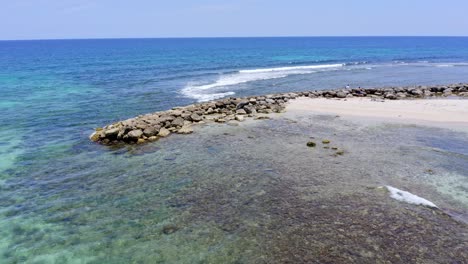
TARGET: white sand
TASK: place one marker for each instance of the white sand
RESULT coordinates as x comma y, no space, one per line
446,113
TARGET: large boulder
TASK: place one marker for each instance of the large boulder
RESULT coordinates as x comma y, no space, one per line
249,109
151,131
196,118
178,122
135,134
111,133
164,132
341,94
417,92
242,104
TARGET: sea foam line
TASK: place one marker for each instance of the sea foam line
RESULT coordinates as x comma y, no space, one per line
218,88
323,66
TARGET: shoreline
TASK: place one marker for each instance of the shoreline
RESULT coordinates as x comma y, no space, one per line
151,127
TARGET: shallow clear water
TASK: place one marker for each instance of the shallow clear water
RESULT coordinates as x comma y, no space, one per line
226,193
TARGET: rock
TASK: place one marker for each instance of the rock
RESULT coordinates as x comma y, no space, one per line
220,104
94,136
153,138
111,133
262,117
391,96
185,130
135,134
196,118
151,131
417,92
341,95
339,152
400,95
141,141
178,122
241,104
270,101
166,118
209,111
250,109
239,118
311,144
220,120
164,132
176,113
241,112
463,94
169,229
326,141
186,115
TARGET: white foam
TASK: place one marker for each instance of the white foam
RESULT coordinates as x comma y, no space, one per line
408,197
323,66
225,84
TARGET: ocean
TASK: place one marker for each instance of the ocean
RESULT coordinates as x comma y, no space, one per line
64,199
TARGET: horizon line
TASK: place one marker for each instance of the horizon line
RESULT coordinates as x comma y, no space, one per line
240,37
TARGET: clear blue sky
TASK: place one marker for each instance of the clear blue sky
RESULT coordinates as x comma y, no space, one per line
45,19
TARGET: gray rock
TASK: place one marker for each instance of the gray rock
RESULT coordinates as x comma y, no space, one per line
250,109
178,122
135,134
166,118
176,112
341,95
390,96
196,118
241,112
111,133
151,131
417,92
448,91
186,115
241,104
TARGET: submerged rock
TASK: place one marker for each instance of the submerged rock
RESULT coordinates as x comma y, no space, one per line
187,129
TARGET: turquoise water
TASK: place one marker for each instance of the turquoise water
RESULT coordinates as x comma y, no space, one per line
208,197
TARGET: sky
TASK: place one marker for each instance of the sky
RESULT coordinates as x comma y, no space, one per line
64,19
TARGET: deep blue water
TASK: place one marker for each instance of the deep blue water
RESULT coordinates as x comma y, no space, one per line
54,92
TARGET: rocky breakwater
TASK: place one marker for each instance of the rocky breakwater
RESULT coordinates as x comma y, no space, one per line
151,127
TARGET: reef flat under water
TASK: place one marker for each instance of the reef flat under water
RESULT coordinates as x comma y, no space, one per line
249,192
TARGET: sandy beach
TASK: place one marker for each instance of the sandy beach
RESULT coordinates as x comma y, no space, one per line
444,113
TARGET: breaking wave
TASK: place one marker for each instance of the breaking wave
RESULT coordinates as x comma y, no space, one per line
216,89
